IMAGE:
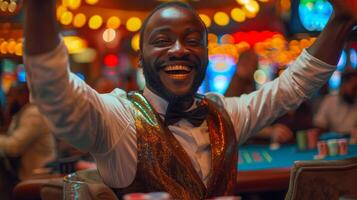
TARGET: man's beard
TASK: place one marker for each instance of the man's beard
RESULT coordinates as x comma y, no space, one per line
154,83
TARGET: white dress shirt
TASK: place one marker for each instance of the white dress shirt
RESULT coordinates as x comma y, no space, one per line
103,124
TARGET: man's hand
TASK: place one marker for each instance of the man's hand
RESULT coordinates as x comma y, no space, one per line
281,133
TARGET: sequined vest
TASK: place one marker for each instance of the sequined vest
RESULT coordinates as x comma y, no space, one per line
163,164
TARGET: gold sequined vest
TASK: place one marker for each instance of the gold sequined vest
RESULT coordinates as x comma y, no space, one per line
163,164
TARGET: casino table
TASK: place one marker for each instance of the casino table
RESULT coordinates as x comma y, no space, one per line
262,169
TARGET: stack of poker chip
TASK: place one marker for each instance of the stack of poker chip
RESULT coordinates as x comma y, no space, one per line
331,147
312,137
148,196
322,150
342,146
301,139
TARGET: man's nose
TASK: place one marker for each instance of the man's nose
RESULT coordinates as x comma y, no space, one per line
177,50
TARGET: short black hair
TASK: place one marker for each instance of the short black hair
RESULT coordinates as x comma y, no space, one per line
164,5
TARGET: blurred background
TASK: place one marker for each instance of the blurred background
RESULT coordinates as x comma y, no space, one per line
102,38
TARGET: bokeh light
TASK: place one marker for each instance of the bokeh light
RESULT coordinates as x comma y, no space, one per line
221,19
91,2
109,35
66,18
238,15
135,41
133,24
113,22
206,20
79,20
95,22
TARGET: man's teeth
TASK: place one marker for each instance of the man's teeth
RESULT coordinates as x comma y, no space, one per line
177,68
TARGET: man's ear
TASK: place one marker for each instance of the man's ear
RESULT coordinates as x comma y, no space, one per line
140,61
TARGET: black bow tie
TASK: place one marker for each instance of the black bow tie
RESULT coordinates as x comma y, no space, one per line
195,116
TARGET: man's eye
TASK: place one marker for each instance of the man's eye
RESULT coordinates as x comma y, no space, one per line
193,42
161,42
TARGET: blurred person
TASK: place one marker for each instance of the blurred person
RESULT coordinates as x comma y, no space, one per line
243,80
168,138
338,112
28,143
243,83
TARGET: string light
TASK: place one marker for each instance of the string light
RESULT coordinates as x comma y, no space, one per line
109,35
205,20
113,22
221,19
95,22
91,2
238,15
66,18
135,41
79,20
133,24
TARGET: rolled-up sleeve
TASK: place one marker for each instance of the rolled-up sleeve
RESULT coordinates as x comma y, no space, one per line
250,113
76,113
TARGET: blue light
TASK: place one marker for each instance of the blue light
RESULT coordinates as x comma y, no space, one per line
220,71
342,62
81,76
21,73
315,14
353,58
335,81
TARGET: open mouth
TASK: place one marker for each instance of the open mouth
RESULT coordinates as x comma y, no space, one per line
178,72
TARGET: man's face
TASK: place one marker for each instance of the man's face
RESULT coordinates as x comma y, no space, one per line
174,52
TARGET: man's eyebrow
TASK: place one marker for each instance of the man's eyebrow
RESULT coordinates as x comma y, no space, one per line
192,30
159,30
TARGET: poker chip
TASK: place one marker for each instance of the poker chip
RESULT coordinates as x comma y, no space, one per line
136,196
274,146
319,157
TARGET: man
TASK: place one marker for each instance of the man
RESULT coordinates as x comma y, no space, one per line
338,113
146,142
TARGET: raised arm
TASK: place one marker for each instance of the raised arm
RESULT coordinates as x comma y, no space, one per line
299,81
76,112
41,31
331,40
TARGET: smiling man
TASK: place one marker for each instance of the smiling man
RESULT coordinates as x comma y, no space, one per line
168,138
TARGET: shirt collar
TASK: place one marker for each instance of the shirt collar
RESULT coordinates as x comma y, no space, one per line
158,103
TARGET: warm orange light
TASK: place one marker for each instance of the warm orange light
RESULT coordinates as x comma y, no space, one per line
4,5
72,4
11,46
95,22
221,19
60,10
18,49
91,2
252,7
212,38
243,2
206,20
238,15
109,35
113,22
79,20
12,6
3,47
66,18
133,24
227,39
135,41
